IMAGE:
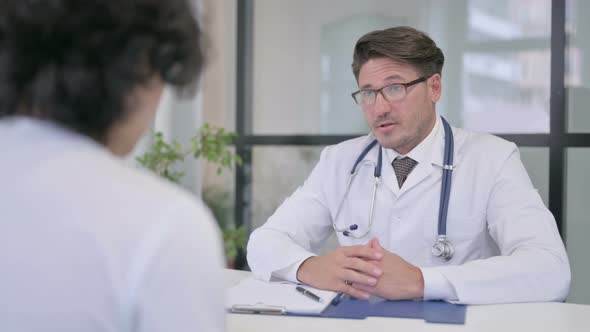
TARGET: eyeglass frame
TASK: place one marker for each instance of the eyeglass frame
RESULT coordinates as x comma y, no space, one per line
380,91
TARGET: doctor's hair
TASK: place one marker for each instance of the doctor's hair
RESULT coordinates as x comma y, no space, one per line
403,44
77,62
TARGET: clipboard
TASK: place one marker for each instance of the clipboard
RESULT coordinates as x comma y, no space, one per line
282,297
340,306
429,311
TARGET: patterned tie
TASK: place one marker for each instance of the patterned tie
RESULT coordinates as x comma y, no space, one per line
403,167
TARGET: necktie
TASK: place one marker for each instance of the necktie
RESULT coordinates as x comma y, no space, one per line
403,167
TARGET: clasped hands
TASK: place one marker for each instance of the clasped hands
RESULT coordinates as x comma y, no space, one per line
363,270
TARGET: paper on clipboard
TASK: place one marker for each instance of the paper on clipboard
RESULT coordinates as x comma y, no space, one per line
257,296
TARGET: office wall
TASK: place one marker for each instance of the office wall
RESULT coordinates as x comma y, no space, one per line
577,211
290,55
497,62
577,229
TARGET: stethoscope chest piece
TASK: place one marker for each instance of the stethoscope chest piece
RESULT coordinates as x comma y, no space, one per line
443,249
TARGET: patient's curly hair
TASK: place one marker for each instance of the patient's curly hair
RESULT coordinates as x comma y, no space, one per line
75,62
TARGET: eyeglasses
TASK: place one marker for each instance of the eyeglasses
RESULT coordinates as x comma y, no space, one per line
391,92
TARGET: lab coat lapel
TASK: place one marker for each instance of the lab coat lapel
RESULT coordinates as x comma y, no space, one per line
432,163
388,179
418,174
388,176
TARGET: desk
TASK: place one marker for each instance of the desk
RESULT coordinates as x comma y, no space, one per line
537,317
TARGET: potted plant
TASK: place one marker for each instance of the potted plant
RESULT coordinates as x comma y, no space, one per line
211,144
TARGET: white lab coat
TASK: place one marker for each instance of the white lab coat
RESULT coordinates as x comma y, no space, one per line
507,247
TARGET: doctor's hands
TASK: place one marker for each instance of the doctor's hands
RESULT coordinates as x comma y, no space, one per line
336,270
400,280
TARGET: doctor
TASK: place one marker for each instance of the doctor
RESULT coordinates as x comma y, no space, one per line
421,210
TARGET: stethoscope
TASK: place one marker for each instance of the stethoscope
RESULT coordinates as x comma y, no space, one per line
442,248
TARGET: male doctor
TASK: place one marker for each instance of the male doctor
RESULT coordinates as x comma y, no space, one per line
500,244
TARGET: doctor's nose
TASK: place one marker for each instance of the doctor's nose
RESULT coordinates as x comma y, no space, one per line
381,105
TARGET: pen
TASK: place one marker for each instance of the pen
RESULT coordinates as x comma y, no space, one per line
308,294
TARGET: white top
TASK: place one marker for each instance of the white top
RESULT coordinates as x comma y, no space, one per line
89,244
507,247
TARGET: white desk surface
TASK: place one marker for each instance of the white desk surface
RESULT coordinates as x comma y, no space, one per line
536,317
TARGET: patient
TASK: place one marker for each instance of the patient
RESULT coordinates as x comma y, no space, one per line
87,243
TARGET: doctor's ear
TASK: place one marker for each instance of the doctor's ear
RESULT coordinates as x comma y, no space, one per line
434,87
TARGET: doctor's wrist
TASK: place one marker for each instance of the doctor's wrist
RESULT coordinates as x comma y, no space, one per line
418,284
302,275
